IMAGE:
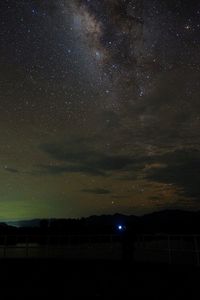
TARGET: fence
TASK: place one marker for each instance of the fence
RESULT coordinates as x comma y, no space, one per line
155,248
175,248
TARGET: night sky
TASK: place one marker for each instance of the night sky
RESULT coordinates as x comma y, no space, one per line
99,107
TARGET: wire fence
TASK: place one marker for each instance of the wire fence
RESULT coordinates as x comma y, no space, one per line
171,249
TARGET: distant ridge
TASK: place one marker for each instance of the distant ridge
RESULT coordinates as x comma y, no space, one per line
172,221
25,223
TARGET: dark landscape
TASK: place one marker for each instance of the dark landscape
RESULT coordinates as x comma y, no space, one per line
58,278
166,221
100,149
99,275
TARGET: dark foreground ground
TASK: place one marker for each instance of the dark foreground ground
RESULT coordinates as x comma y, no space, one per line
62,279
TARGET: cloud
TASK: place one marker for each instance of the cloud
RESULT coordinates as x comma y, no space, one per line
57,170
11,170
179,167
119,197
129,177
97,191
67,151
182,169
80,156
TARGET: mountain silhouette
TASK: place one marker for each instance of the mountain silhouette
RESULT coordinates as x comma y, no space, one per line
166,221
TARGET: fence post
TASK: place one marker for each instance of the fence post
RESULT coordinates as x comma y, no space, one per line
169,250
143,242
197,250
111,241
69,240
182,243
27,246
47,246
5,245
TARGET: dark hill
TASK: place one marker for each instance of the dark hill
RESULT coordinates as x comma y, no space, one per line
166,221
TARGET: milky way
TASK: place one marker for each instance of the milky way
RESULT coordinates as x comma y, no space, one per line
131,40
114,31
99,107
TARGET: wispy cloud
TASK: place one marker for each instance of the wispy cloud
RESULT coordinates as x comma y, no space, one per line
97,191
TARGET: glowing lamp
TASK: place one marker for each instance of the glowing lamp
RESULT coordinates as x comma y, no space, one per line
121,227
